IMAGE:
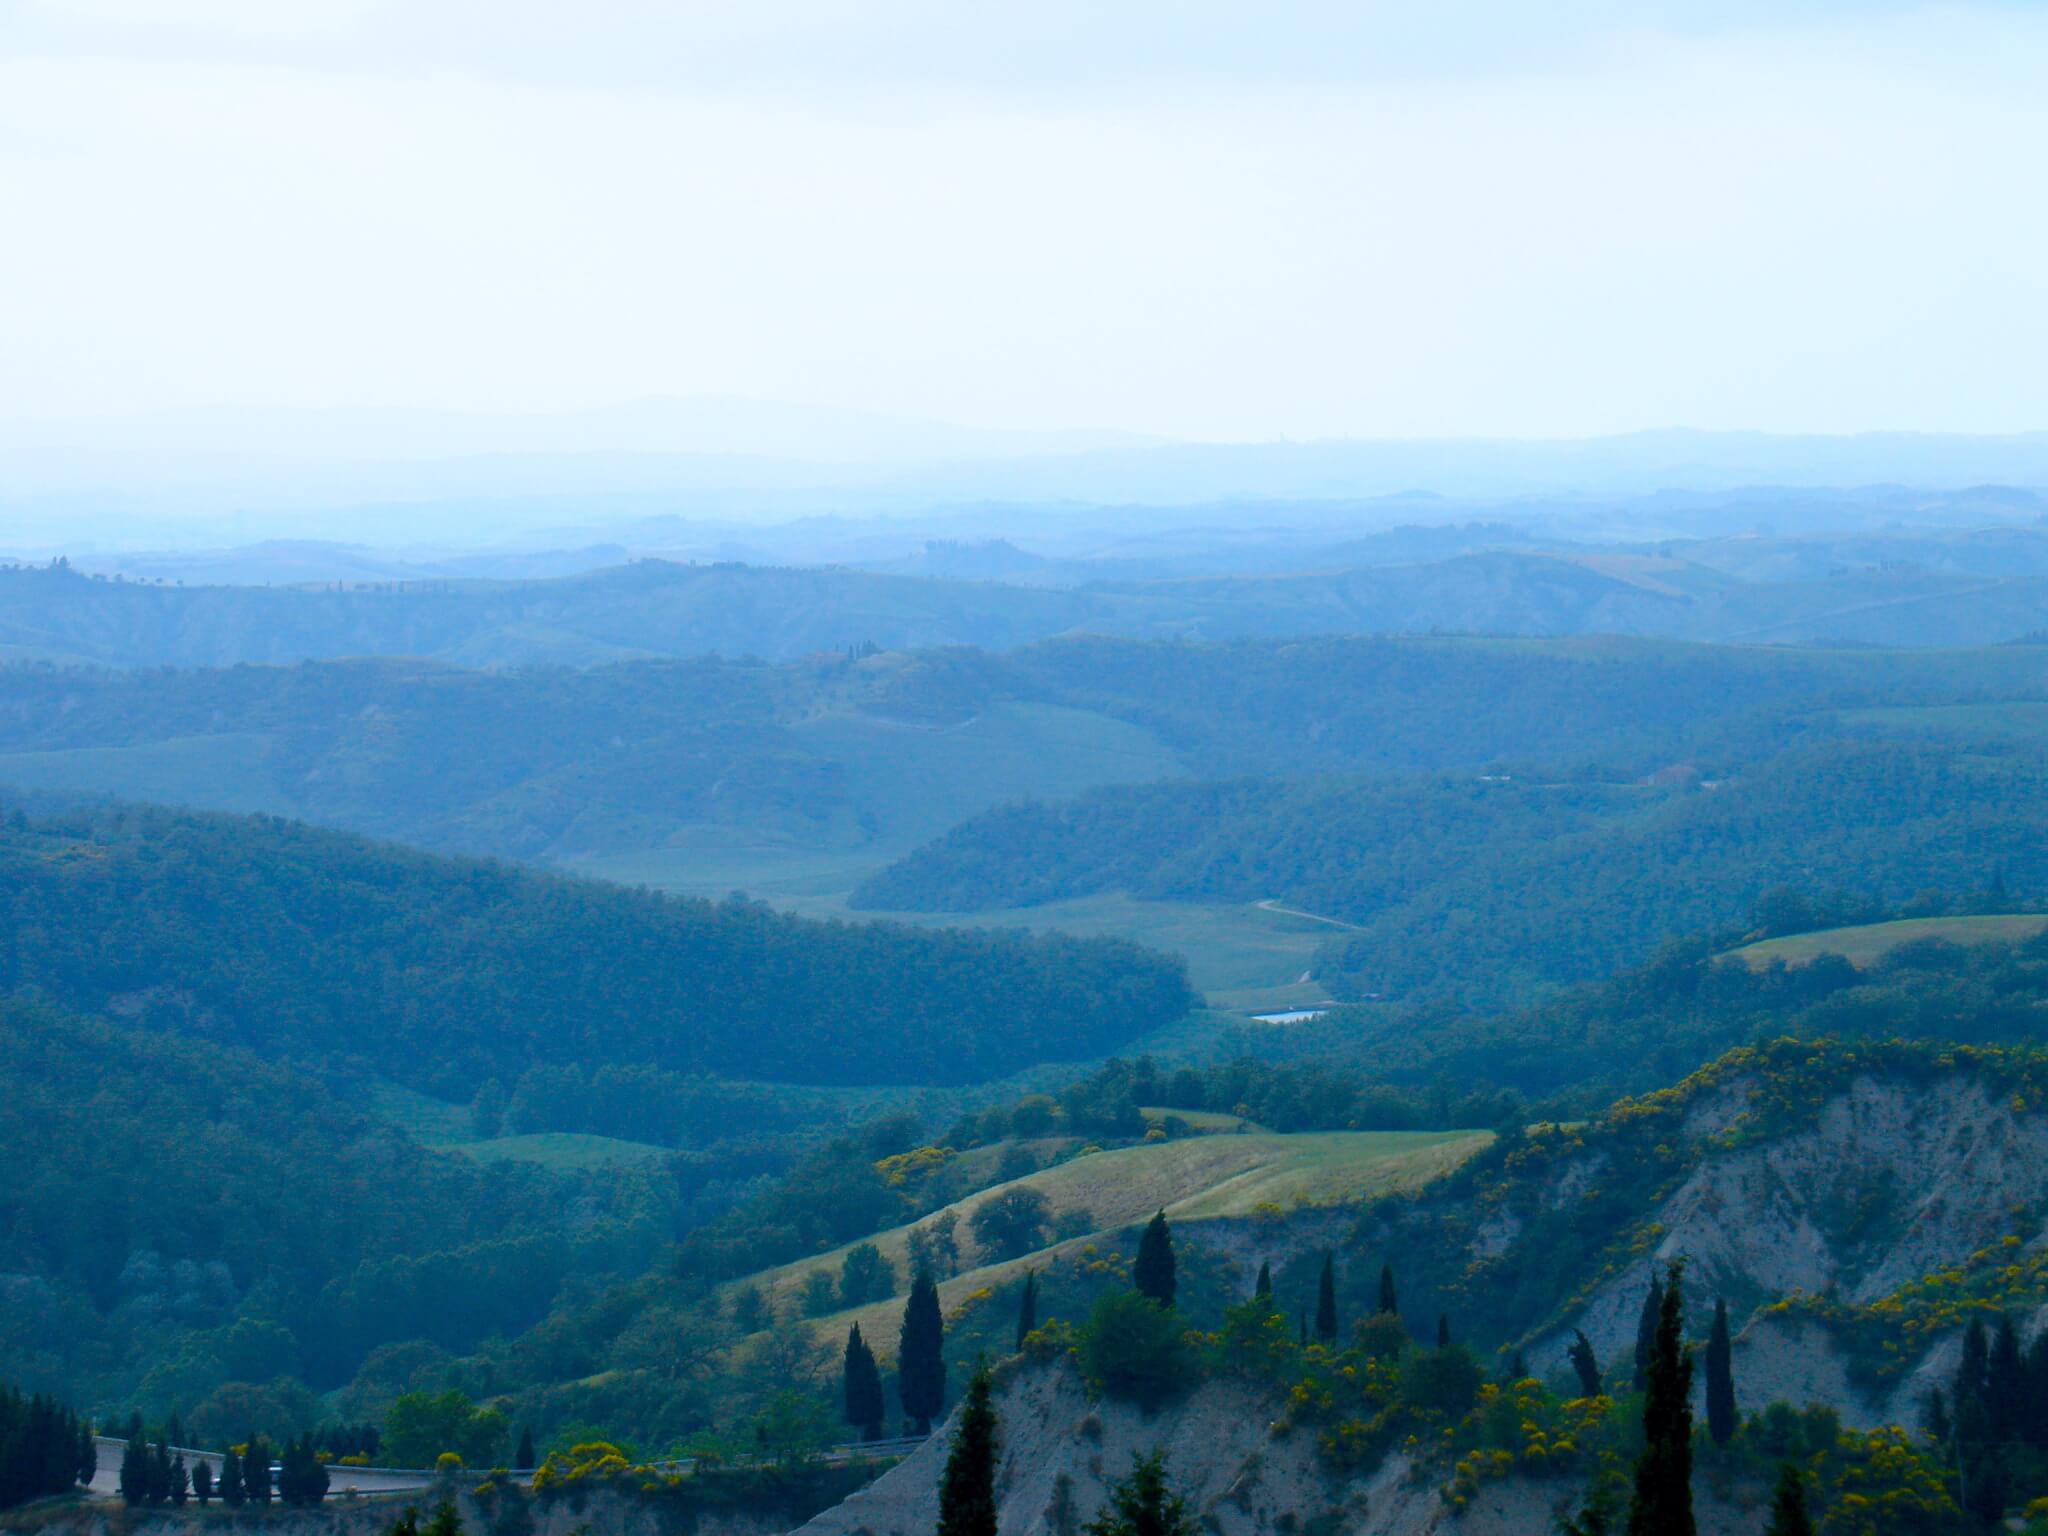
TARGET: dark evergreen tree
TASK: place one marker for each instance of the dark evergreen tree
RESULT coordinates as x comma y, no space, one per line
159,1474
45,1448
1788,1505
2005,1388
134,1471
863,1386
1662,1501
1443,1330
1143,1504
921,1355
1939,1427
1646,1330
232,1493
202,1480
1326,1301
1720,1378
967,1489
1262,1290
524,1462
1585,1364
256,1472
1388,1305
180,1485
1027,1308
1152,1273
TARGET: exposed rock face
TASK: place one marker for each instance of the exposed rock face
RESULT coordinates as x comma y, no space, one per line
1059,1452
1893,1179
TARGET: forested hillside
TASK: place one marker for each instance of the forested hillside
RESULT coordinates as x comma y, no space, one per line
178,1215
1489,889
441,973
871,757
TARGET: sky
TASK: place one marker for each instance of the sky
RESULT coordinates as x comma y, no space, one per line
1170,217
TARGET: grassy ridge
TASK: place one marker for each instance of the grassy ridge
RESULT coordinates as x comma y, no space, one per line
1867,943
1200,1178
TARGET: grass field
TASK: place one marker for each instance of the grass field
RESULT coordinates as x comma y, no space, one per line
1869,943
228,772
1245,958
1202,1178
564,1150
2013,720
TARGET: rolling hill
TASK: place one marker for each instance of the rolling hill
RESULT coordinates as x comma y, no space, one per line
1200,1178
441,973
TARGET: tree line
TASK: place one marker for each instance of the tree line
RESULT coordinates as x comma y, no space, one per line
45,1448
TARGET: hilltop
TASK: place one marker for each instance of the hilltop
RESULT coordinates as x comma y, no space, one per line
444,973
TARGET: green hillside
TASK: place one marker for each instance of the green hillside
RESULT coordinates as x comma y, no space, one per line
1490,889
178,1215
442,973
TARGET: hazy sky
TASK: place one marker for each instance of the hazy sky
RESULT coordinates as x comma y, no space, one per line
1167,216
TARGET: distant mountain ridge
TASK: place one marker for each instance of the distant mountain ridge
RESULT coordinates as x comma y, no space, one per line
1903,590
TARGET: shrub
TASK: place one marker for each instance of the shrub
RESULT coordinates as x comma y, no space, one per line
1444,1381
1132,1348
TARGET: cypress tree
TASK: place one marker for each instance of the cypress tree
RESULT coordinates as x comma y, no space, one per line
1788,1505
202,1480
1646,1330
967,1490
159,1464
1027,1308
180,1484
1152,1274
134,1471
1974,1367
863,1380
1938,1424
1584,1363
232,1493
920,1355
1388,1304
1720,1378
1443,1330
256,1472
1143,1505
1326,1301
317,1480
2005,1392
524,1461
1263,1290
1662,1501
